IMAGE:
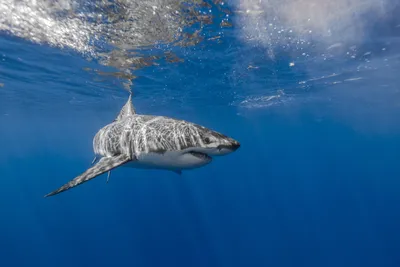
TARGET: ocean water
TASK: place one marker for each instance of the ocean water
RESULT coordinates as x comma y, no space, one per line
310,90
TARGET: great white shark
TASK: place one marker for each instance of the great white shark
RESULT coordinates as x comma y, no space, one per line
152,142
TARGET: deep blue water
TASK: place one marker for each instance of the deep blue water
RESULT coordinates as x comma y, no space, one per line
315,182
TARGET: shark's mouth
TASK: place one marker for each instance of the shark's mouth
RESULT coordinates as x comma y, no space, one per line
228,147
200,155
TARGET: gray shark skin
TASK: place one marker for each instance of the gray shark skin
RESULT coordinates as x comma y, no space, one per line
152,142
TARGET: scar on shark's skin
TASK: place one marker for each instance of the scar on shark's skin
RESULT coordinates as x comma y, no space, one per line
152,142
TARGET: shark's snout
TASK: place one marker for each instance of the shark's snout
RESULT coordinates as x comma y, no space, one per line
235,145
230,146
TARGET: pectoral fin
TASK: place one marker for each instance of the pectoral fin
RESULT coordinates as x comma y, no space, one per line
104,165
179,172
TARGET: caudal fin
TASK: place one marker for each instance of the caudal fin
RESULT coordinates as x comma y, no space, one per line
104,165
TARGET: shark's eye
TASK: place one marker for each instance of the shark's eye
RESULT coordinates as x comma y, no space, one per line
207,140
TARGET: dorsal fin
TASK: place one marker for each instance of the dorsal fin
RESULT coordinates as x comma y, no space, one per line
127,109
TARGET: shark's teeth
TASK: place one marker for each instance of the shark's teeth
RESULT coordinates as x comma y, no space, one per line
200,155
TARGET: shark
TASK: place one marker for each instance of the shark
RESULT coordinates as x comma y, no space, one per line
151,142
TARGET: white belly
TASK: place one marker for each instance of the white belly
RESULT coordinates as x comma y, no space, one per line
168,160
